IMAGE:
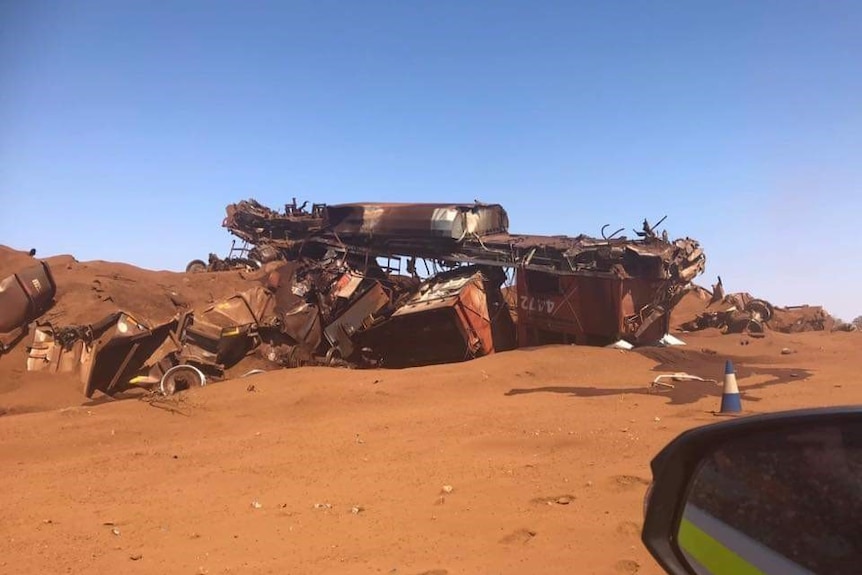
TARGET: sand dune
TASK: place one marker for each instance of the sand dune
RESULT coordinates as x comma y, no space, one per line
324,470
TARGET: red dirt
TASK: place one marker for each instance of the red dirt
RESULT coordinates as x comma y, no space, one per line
170,486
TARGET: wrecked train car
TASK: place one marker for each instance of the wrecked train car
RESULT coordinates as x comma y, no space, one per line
325,299
621,290
570,289
454,316
306,312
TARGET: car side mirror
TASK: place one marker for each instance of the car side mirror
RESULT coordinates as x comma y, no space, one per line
771,494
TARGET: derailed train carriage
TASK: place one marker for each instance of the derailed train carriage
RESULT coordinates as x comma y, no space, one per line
330,295
569,289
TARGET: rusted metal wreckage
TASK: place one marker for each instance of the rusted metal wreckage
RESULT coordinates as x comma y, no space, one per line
333,292
579,289
742,313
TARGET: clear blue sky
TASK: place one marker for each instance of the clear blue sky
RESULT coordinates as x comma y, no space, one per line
127,126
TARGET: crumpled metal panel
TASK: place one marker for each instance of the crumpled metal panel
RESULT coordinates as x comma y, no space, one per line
451,318
358,316
438,293
48,354
259,224
225,332
246,308
118,354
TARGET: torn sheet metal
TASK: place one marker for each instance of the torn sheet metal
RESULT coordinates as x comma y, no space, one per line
258,224
451,318
48,354
116,356
224,333
360,314
120,351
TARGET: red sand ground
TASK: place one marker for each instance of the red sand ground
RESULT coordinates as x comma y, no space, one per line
226,480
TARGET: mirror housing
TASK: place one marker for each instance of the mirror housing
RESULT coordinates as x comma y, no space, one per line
733,469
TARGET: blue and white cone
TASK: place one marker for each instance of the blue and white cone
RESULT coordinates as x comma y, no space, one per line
730,402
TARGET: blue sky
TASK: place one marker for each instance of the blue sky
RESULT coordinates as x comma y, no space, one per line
126,127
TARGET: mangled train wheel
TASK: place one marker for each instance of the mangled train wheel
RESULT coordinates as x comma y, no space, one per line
333,356
181,377
196,266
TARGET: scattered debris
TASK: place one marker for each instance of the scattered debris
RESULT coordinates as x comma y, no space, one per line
242,257
743,313
658,381
621,344
669,340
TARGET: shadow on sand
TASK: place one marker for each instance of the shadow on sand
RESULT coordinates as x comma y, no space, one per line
674,360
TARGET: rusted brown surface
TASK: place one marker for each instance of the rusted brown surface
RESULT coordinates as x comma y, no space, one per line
743,313
324,298
116,354
360,315
461,233
449,222
627,287
587,310
24,296
455,316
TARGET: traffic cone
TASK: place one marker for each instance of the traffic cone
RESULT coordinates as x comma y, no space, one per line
730,402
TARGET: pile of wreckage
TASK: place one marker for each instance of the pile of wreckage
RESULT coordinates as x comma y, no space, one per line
332,292
743,313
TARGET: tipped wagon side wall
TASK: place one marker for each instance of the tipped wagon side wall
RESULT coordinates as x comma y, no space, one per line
587,310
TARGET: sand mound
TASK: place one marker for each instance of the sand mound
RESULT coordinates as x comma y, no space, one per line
329,470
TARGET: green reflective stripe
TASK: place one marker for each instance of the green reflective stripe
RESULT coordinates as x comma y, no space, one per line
717,558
